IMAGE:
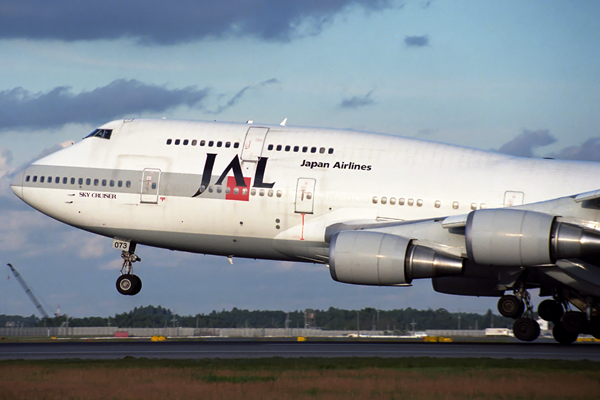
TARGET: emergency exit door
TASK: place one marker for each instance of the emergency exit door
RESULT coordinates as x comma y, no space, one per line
305,195
150,182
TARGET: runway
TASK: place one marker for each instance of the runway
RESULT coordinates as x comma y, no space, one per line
258,349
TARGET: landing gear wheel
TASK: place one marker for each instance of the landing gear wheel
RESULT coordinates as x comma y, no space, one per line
526,329
550,310
511,306
129,285
574,322
562,336
137,284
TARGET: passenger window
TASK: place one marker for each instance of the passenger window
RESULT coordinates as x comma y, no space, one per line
169,141
42,178
384,200
322,150
120,184
392,200
202,142
103,182
219,144
210,144
177,141
455,205
330,150
57,179
313,149
27,178
236,145
261,192
245,192
288,148
228,145
219,190
253,192
65,180
270,147
304,149
96,182
153,185
270,193
72,181
228,190
35,178
236,190
49,179
194,142
186,142
279,147
296,148
401,201
128,184
279,193
81,181
374,199
88,181
112,183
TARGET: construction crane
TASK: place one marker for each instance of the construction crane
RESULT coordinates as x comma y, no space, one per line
29,292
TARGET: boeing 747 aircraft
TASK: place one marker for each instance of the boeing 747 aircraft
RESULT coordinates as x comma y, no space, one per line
376,209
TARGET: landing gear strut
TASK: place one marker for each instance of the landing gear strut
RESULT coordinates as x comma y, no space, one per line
129,284
518,307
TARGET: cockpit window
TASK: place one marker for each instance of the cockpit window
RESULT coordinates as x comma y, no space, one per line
101,133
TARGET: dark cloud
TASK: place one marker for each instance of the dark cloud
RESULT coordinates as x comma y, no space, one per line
588,151
171,22
20,109
524,144
358,101
231,102
416,41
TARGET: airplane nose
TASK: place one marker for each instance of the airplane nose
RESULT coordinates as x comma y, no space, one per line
17,184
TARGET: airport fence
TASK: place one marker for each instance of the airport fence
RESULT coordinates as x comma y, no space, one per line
213,332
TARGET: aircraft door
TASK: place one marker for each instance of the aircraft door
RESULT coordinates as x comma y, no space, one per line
305,195
253,144
150,182
512,198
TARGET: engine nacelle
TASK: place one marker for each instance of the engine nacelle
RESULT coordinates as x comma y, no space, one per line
508,237
374,258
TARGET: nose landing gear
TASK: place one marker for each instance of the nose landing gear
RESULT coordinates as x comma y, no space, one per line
129,284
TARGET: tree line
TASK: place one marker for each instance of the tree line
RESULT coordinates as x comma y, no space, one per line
399,320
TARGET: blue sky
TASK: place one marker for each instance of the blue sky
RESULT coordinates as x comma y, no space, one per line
520,77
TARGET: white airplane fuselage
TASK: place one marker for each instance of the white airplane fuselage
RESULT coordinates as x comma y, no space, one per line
148,184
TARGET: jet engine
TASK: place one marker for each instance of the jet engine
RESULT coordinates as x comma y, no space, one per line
374,258
508,237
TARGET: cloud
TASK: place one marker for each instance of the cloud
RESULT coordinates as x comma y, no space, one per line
524,144
588,151
231,102
20,109
178,21
358,101
416,41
